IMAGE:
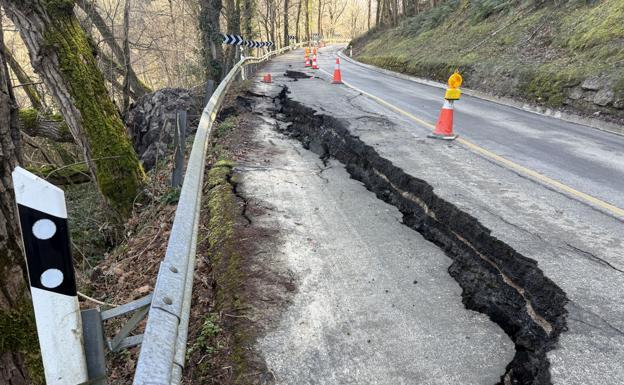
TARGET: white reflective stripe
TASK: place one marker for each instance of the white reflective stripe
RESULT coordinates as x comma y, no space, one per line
59,328
448,105
36,193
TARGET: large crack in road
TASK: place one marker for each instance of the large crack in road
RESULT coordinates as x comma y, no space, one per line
495,279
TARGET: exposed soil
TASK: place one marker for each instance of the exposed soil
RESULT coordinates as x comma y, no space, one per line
496,280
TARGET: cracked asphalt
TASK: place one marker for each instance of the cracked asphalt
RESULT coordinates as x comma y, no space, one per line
347,234
374,302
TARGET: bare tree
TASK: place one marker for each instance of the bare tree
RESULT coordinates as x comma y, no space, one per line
319,23
126,49
90,8
232,11
286,39
298,19
33,94
212,51
335,9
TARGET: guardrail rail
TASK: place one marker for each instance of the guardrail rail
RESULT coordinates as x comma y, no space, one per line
163,350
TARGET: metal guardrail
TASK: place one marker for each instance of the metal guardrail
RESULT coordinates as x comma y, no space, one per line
163,349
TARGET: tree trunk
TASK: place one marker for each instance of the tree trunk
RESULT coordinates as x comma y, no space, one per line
63,57
286,38
36,100
212,50
298,19
16,319
126,49
247,13
111,69
51,126
319,26
369,14
233,27
89,7
307,19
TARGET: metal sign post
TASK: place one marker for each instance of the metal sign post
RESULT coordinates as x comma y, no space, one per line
43,219
179,137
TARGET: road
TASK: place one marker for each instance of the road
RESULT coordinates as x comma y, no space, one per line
363,281
586,159
575,245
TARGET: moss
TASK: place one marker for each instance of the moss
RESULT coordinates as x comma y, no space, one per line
226,126
28,118
18,333
505,48
119,173
549,87
600,25
47,170
228,271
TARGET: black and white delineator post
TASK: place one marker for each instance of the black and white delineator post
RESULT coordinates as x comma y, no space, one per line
43,219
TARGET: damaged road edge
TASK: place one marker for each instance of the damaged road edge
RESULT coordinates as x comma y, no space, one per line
495,279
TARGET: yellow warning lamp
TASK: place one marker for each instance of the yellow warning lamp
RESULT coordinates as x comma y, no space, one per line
307,51
453,92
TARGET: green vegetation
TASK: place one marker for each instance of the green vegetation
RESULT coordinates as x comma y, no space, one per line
206,341
538,51
18,333
226,126
221,332
28,118
119,173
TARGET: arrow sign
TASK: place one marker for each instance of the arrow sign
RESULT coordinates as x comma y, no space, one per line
232,39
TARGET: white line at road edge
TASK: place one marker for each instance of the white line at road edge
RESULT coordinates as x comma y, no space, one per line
610,209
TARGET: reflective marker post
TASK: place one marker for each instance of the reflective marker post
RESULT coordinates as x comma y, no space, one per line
43,220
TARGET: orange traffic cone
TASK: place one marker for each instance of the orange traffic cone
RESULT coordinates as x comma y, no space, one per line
314,63
444,126
267,78
337,74
307,61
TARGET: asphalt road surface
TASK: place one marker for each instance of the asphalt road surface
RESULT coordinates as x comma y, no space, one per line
374,302
338,237
586,159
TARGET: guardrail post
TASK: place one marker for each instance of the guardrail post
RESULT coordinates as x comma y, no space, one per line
179,137
93,333
43,220
208,91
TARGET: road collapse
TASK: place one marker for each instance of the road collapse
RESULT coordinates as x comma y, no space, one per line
495,279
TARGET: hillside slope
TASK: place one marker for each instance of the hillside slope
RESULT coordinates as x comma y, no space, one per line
568,55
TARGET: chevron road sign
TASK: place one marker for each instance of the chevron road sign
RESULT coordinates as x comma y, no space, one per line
257,44
232,39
